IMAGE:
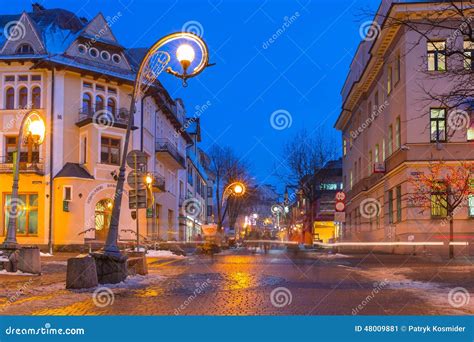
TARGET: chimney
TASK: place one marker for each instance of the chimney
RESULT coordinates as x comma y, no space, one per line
37,7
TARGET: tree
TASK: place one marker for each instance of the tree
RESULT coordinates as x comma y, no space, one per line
443,190
305,155
227,168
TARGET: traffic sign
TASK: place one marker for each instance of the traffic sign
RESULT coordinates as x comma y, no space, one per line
137,199
340,206
136,180
340,201
340,196
137,160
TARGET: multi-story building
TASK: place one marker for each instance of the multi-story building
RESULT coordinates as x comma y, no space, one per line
391,132
79,78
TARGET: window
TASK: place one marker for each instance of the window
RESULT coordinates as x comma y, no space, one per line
389,79
36,97
81,48
209,191
25,49
23,78
110,151
436,56
86,103
390,206
170,220
10,78
468,55
377,153
36,77
23,97
10,98
376,100
439,200
87,85
396,74
84,150
111,106
190,175
351,181
370,166
105,55
99,87
29,153
383,149
344,147
438,124
67,193
112,90
27,217
93,52
471,205
390,140
398,140
99,103
116,58
209,210
398,190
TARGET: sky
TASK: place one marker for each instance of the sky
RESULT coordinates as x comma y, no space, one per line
280,65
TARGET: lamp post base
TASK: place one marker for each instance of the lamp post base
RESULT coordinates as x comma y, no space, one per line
11,245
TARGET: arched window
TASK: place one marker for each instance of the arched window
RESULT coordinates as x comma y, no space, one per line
99,103
25,49
111,106
86,103
103,215
36,97
10,98
23,97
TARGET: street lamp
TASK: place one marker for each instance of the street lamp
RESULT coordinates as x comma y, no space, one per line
152,65
33,129
234,189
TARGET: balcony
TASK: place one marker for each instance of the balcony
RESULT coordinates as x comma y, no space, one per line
36,165
158,182
103,118
167,153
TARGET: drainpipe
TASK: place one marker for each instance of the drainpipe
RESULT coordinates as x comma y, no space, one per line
51,145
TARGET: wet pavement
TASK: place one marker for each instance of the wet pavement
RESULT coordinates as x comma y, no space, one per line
241,282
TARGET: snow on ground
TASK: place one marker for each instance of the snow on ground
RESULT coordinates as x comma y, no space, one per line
163,254
17,273
434,293
45,254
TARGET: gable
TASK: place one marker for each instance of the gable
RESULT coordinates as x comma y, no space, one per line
19,32
100,30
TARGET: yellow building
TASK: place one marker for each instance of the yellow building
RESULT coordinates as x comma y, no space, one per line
79,78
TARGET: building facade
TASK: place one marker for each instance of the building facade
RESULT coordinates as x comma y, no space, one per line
79,78
391,132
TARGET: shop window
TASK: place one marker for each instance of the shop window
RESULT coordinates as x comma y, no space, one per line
26,216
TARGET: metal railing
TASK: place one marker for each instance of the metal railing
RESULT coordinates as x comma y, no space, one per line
158,181
34,165
164,145
104,116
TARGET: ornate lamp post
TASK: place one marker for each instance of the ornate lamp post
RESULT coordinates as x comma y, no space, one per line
32,128
152,65
236,189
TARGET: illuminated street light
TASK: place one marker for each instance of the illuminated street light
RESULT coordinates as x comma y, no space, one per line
32,129
154,62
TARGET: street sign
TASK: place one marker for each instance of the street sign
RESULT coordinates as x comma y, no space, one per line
340,204
340,217
209,229
340,196
137,198
136,180
137,160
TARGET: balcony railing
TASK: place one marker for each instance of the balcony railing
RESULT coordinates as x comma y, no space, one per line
158,182
103,117
164,145
34,165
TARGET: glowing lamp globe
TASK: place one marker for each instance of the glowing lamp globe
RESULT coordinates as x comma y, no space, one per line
185,55
36,129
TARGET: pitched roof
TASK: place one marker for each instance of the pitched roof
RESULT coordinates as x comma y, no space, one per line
73,170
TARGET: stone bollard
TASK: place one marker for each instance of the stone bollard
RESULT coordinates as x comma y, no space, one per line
81,273
136,263
29,260
110,269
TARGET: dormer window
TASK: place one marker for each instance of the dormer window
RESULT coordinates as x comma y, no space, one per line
93,52
116,58
25,49
105,55
82,48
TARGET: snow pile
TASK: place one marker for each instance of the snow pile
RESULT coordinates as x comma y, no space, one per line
163,254
17,273
45,254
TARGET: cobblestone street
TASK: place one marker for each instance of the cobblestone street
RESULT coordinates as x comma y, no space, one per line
240,282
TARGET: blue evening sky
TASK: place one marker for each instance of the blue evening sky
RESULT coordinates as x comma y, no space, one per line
301,71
